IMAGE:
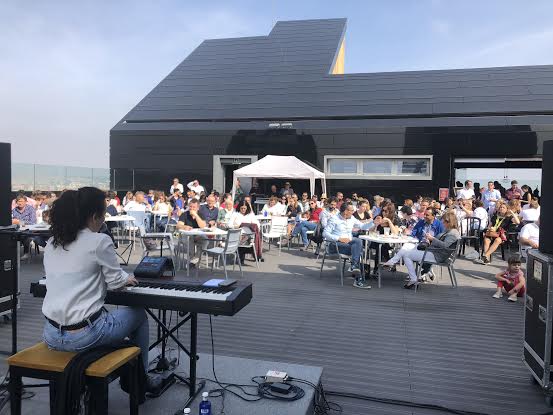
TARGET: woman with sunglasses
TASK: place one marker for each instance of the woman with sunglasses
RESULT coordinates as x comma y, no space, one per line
310,224
245,219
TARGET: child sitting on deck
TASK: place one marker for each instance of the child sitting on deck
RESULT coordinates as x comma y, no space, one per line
511,281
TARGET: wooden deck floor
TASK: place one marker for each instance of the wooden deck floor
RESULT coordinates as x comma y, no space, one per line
458,348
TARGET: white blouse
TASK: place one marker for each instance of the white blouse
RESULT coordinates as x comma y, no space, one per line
237,219
77,277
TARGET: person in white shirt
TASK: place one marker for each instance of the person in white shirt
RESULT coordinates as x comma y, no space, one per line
480,213
80,266
531,211
529,235
176,185
138,204
196,187
243,215
466,192
272,207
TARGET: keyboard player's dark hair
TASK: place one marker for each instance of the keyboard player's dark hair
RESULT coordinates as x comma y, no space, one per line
71,211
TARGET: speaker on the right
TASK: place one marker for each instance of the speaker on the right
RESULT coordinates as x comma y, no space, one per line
546,200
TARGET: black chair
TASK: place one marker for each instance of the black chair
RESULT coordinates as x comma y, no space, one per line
470,231
448,262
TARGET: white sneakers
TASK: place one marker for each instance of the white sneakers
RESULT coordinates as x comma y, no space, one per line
513,297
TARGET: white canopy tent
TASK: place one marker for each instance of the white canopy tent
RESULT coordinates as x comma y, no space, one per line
280,167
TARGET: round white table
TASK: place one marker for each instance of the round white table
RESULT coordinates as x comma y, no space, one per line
381,240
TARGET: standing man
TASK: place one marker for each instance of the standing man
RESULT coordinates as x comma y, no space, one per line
466,192
490,197
340,229
176,185
196,187
287,190
514,193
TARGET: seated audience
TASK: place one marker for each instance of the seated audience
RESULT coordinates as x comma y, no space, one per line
244,218
164,208
209,212
304,202
274,192
440,245
363,212
496,232
480,213
128,197
23,214
339,199
511,281
531,211
340,229
138,204
272,207
407,218
423,206
293,211
529,236
225,214
192,219
329,212
377,206
389,224
310,224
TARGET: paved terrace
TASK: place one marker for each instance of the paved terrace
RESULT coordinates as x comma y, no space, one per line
460,348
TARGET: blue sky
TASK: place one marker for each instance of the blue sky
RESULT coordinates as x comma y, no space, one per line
69,70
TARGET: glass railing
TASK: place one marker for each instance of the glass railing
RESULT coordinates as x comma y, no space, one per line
31,177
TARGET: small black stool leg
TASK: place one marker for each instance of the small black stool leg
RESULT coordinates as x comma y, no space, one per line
98,395
133,393
15,392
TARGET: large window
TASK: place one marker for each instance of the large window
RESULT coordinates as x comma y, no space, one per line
379,167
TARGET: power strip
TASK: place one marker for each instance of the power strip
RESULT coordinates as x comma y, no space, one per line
274,376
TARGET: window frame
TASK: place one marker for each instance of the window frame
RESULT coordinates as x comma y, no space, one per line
396,159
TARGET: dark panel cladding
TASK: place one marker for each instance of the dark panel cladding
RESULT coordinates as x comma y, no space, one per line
157,158
222,99
5,184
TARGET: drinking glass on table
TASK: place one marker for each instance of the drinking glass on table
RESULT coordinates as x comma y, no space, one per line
386,231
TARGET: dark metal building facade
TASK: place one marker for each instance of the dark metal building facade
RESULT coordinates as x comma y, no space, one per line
232,101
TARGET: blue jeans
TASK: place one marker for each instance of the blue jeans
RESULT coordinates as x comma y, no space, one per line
110,329
302,228
353,248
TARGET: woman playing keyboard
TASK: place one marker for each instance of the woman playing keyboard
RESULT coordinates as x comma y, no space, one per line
80,266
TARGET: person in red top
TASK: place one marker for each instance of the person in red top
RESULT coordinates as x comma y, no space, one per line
514,193
511,281
309,224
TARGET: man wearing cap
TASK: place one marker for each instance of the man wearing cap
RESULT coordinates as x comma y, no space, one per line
286,190
514,193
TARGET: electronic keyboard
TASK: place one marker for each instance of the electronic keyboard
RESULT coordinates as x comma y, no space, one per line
185,296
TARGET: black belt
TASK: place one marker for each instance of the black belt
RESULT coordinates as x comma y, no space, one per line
80,325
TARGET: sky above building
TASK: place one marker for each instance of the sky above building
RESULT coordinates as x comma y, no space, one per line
70,70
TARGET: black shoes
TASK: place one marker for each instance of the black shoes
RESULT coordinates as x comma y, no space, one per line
153,384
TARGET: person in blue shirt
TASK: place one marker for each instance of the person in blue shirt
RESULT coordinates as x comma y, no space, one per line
209,212
340,230
490,197
428,225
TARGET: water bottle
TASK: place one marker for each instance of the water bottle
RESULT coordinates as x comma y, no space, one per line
186,411
205,405
265,213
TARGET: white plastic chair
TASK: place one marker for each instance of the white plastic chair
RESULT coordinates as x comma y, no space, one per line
232,242
278,229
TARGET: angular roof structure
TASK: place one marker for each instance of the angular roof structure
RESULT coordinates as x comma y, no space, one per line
296,73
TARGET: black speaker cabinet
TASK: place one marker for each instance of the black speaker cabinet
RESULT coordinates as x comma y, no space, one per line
5,184
538,319
9,262
546,201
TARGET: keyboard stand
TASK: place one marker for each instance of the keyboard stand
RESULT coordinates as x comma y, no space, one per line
164,333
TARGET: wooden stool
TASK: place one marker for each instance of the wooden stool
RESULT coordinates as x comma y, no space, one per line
39,362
